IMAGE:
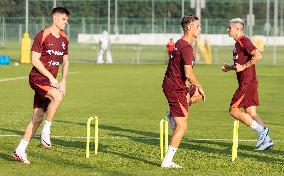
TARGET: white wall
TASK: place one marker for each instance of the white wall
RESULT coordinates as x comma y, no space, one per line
162,39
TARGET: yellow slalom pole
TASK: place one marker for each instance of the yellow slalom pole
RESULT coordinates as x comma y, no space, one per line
166,135
162,139
95,119
96,125
88,137
237,137
235,140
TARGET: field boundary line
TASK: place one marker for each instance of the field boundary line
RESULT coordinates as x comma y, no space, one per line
143,138
24,77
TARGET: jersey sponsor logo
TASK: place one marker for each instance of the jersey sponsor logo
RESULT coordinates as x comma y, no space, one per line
51,63
57,53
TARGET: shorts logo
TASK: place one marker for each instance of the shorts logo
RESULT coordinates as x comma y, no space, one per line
57,53
52,63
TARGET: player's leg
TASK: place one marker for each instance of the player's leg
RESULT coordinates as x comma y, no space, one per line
181,127
100,56
31,128
241,116
252,112
267,143
108,57
55,98
241,99
179,110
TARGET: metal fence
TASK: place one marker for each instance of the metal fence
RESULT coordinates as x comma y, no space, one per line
139,16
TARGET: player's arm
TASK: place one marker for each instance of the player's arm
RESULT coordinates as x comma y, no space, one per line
39,66
65,67
256,56
190,75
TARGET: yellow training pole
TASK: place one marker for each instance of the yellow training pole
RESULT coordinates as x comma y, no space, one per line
235,140
166,135
96,125
162,138
88,137
96,138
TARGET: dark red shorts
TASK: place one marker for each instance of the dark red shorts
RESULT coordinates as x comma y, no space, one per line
177,102
245,96
41,89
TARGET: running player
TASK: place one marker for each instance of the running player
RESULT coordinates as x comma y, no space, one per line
49,50
245,56
180,70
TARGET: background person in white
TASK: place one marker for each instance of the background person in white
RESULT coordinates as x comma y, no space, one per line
104,42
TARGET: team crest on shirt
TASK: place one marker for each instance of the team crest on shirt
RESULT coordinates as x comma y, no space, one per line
235,55
63,45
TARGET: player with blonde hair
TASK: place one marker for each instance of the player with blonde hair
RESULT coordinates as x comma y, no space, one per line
245,56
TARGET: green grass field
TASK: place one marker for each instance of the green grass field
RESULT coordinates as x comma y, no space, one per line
129,102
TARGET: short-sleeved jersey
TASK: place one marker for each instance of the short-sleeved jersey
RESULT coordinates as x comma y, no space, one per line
241,55
175,75
52,50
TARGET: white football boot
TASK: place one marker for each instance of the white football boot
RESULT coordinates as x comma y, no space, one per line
45,140
266,145
262,136
170,165
20,156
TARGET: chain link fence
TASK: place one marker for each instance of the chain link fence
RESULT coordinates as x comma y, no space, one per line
141,16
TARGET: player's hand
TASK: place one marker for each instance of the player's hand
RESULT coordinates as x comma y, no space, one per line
225,67
53,82
202,92
239,67
62,87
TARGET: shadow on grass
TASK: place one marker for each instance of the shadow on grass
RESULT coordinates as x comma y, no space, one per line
197,145
78,145
6,157
205,146
277,124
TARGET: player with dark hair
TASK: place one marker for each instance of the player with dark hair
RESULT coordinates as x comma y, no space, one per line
179,71
245,56
49,50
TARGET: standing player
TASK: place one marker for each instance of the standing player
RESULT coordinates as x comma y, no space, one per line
49,50
170,47
104,43
245,56
180,70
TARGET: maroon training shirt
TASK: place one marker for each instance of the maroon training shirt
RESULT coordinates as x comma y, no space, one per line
52,50
175,76
241,55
